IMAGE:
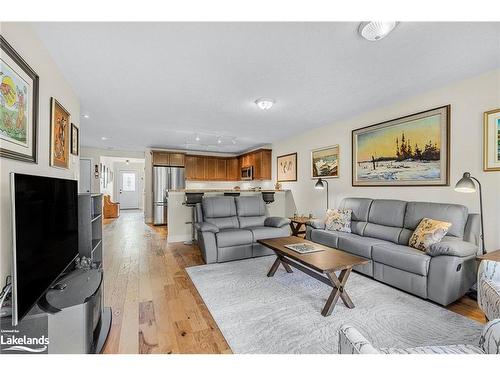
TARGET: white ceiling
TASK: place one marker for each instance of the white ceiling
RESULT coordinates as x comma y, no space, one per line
158,84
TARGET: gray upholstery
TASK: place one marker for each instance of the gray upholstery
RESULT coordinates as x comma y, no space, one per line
276,222
450,247
260,233
233,237
402,257
381,229
455,214
229,227
206,227
359,245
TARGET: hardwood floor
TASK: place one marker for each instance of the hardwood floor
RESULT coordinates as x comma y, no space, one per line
156,308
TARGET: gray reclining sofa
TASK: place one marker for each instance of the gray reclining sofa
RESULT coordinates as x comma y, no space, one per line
228,228
381,230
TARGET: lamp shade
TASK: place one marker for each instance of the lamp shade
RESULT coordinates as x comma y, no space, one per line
465,184
319,185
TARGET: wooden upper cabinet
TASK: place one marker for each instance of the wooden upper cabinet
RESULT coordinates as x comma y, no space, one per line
266,165
200,171
232,169
177,160
161,159
210,168
190,171
168,159
220,169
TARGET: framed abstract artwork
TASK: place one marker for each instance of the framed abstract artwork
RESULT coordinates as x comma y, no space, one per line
491,141
325,162
413,150
287,167
75,139
59,135
18,106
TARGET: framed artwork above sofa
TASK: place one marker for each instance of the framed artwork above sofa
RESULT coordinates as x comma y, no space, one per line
413,150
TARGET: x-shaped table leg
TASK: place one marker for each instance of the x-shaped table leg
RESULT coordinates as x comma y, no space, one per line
338,285
279,260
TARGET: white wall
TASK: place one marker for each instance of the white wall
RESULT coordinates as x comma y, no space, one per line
52,84
468,99
95,155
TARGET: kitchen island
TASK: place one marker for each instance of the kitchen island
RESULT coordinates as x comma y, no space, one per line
179,214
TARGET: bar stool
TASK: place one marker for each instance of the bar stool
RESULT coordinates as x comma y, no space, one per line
268,196
191,200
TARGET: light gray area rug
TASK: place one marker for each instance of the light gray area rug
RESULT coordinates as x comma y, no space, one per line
282,314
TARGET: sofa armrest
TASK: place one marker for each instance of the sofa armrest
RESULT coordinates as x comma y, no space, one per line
452,248
206,227
316,224
488,288
275,221
351,341
490,337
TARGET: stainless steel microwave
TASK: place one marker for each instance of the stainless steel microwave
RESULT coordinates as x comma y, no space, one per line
247,173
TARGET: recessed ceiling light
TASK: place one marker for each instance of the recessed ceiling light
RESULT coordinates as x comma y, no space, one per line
264,103
86,116
104,138
219,140
376,30
197,138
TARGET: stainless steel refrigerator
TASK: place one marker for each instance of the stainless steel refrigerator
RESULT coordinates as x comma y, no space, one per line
165,179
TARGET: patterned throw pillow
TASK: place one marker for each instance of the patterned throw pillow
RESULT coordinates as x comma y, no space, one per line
428,232
338,219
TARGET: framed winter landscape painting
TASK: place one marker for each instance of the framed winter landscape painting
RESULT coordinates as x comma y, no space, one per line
18,106
492,140
408,151
325,162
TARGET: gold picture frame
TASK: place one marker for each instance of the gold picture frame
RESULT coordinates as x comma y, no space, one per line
287,167
325,162
60,123
491,140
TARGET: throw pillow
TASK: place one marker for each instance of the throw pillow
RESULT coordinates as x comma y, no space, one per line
338,219
428,232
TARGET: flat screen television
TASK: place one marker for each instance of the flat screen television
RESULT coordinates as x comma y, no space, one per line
45,236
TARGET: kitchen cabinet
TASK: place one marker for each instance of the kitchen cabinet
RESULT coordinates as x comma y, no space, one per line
168,159
232,169
177,160
161,159
212,168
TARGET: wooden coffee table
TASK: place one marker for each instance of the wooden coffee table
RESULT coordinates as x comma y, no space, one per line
317,264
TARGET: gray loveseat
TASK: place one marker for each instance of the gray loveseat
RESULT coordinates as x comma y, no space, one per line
228,228
381,229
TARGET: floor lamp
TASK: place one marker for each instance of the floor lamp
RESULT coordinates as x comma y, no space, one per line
466,185
320,185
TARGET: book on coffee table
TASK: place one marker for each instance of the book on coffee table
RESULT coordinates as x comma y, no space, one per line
304,248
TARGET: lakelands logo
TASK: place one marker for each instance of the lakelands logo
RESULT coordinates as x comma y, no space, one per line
11,343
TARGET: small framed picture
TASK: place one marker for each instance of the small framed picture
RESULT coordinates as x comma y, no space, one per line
59,135
491,146
325,162
75,139
287,167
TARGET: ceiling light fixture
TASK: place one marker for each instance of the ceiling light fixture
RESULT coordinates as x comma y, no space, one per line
376,30
197,138
264,103
127,162
104,138
219,140
86,116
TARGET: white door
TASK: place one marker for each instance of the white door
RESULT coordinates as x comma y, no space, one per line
129,190
85,176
